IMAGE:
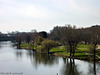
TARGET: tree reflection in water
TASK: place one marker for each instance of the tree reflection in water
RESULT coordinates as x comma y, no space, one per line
93,69
45,59
19,54
69,67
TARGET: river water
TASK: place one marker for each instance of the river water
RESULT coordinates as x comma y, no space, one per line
24,62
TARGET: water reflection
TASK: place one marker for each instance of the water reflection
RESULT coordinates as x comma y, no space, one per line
32,63
45,59
19,54
94,69
69,67
73,67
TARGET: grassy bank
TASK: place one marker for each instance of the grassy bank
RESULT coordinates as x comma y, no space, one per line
81,52
29,46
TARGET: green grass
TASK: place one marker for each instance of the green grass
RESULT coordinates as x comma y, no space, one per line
37,47
80,55
64,53
80,49
57,49
27,45
98,52
82,46
24,45
79,52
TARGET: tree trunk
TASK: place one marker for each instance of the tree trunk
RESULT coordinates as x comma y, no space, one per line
48,51
73,50
85,42
70,50
94,51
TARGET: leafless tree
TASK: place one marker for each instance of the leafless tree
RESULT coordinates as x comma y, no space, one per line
72,38
95,38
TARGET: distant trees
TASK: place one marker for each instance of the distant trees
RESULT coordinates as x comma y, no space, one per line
18,39
43,34
23,37
56,33
34,35
85,35
30,37
68,35
5,37
27,37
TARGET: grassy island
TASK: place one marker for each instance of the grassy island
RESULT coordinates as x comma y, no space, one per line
81,52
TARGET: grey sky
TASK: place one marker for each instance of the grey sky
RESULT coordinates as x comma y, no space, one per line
25,15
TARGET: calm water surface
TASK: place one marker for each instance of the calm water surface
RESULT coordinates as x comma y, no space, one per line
23,62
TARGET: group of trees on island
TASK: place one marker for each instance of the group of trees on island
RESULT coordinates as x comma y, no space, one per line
69,36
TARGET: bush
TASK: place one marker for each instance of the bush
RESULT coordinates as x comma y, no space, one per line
38,40
46,45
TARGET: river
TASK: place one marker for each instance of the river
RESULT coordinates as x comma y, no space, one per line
25,62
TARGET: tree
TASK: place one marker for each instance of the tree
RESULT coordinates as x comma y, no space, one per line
47,45
27,37
38,40
43,34
18,39
72,37
85,35
95,38
34,35
56,33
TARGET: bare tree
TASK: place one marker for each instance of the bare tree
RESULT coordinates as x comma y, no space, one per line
72,38
95,38
18,39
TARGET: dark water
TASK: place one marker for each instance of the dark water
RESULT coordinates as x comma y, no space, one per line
23,62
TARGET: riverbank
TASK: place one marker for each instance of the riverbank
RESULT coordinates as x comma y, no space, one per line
82,52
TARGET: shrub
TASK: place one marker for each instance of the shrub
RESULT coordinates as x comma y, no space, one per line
46,45
38,40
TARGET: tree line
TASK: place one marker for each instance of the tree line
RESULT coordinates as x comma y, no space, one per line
69,36
6,37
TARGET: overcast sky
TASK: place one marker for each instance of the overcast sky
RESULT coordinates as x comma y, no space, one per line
25,15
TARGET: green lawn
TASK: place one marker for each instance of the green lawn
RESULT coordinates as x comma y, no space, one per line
24,45
81,48
57,49
27,45
80,52
98,52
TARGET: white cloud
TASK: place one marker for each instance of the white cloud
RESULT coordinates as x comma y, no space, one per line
44,14
7,1
86,6
27,10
